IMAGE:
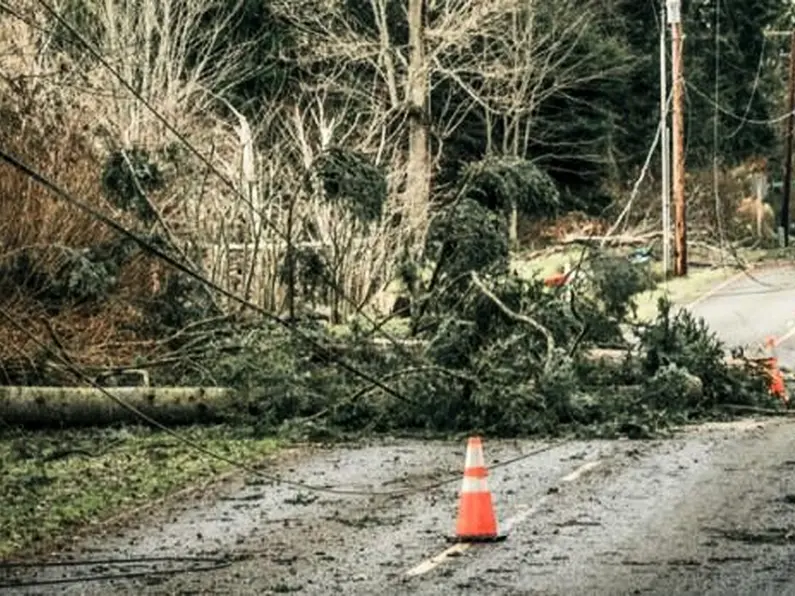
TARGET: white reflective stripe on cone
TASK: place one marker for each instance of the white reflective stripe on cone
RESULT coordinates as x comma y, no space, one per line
474,485
474,458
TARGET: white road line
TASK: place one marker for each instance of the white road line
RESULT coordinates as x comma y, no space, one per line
785,337
714,290
525,512
433,562
586,467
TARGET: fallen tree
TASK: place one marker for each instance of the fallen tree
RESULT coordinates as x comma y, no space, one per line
483,350
492,352
614,356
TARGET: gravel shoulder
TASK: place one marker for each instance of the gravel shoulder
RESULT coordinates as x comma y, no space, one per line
711,511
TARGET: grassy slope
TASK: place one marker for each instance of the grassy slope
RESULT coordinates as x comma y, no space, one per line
52,483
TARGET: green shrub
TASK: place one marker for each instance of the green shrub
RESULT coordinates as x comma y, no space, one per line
351,179
500,183
678,343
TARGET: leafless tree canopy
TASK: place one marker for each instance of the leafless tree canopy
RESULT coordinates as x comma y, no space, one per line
370,92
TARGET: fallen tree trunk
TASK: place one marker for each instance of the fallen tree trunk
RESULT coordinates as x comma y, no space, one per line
757,410
623,240
63,407
617,356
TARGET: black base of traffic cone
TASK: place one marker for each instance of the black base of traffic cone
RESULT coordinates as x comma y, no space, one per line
477,539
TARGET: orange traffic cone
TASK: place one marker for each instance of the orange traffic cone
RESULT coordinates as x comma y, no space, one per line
777,386
557,280
476,519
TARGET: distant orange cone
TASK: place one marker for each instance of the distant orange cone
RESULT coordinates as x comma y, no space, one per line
476,519
558,280
777,386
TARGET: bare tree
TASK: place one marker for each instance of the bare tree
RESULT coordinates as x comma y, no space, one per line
505,58
360,257
393,93
525,54
168,50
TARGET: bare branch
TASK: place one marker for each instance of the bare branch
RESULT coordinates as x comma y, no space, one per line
518,317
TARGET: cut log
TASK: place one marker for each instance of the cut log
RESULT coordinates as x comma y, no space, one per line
616,356
624,240
65,407
607,355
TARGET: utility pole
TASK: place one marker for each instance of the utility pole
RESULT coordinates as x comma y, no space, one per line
675,20
788,158
665,152
787,190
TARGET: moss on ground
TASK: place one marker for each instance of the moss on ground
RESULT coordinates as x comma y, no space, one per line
55,482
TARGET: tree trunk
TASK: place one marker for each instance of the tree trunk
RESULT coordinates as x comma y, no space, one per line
418,174
513,227
65,407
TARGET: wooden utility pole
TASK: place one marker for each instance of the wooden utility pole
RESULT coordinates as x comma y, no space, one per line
787,190
788,157
665,152
680,211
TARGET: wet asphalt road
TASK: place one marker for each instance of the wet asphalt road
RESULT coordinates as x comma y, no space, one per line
711,511
753,308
